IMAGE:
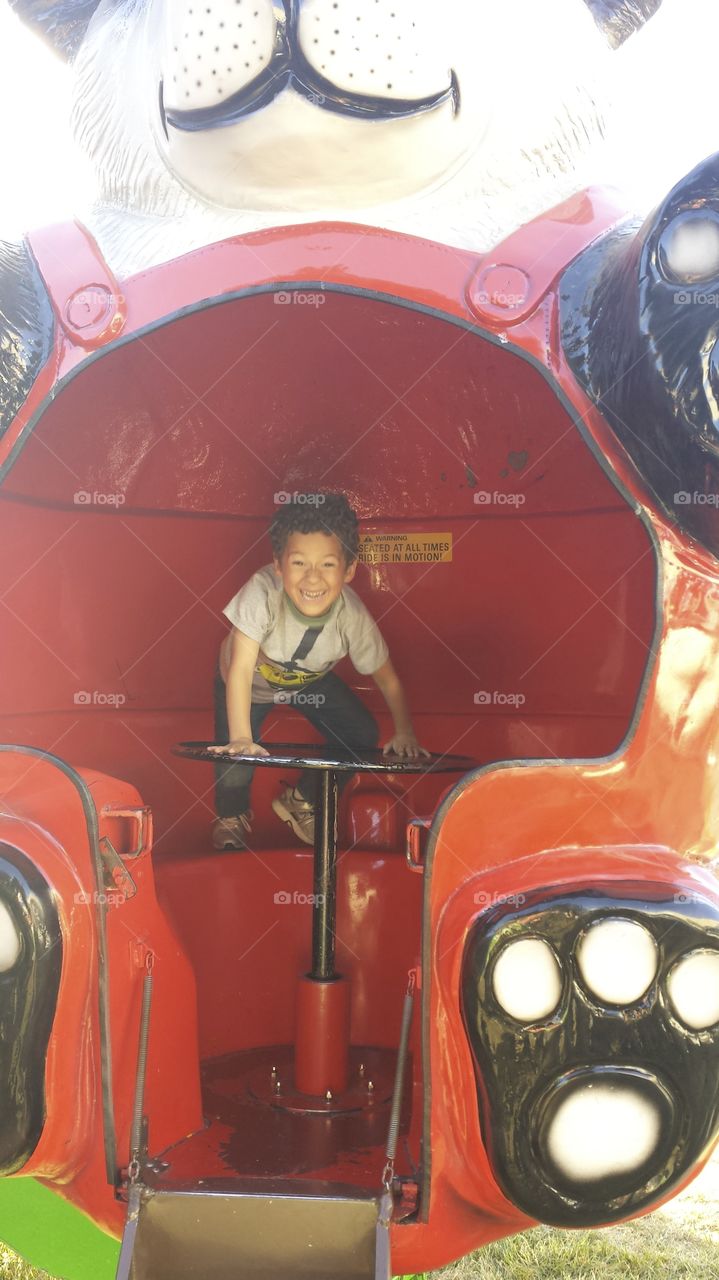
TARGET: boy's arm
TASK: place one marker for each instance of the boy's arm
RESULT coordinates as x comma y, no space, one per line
243,658
404,740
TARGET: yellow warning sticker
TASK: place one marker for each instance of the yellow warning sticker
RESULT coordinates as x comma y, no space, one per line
405,548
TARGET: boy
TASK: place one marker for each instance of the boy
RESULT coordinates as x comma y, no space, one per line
291,623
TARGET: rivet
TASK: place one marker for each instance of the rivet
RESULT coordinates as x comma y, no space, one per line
88,307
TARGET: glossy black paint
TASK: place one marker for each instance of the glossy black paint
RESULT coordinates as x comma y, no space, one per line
288,68
26,328
324,882
312,755
28,998
619,19
36,754
524,1071
62,24
642,339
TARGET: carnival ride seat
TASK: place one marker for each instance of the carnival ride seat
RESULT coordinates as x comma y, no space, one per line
520,629
495,540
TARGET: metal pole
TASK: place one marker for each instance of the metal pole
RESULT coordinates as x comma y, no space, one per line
399,1073
139,1102
324,908
134,1199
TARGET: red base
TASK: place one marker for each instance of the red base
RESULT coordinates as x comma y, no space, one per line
369,1085
322,1037
253,1133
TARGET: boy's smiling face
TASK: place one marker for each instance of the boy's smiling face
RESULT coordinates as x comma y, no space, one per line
313,569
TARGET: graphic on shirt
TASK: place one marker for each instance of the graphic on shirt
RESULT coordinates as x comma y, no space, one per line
288,675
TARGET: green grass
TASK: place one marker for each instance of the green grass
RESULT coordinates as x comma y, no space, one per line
633,1252
681,1240
13,1268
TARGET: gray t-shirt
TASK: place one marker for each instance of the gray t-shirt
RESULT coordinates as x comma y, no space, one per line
262,611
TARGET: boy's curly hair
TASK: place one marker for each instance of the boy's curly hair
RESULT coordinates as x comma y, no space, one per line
332,514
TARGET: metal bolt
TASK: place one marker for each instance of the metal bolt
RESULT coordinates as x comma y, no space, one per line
370,1086
278,1087
273,1072
328,1096
90,306
361,1068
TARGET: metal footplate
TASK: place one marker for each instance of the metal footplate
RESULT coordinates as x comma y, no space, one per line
258,1233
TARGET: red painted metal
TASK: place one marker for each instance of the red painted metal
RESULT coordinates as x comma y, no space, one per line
93,313
410,385
43,816
322,1036
270,1131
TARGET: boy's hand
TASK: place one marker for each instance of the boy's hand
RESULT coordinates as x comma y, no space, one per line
240,747
404,744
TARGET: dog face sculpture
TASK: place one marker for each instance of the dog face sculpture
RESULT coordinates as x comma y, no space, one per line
240,111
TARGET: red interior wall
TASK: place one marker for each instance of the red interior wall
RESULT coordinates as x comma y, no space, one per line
247,952
197,425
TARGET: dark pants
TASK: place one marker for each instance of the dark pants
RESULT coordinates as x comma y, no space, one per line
341,717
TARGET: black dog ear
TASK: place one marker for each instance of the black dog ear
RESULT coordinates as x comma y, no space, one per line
619,19
61,24
640,328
